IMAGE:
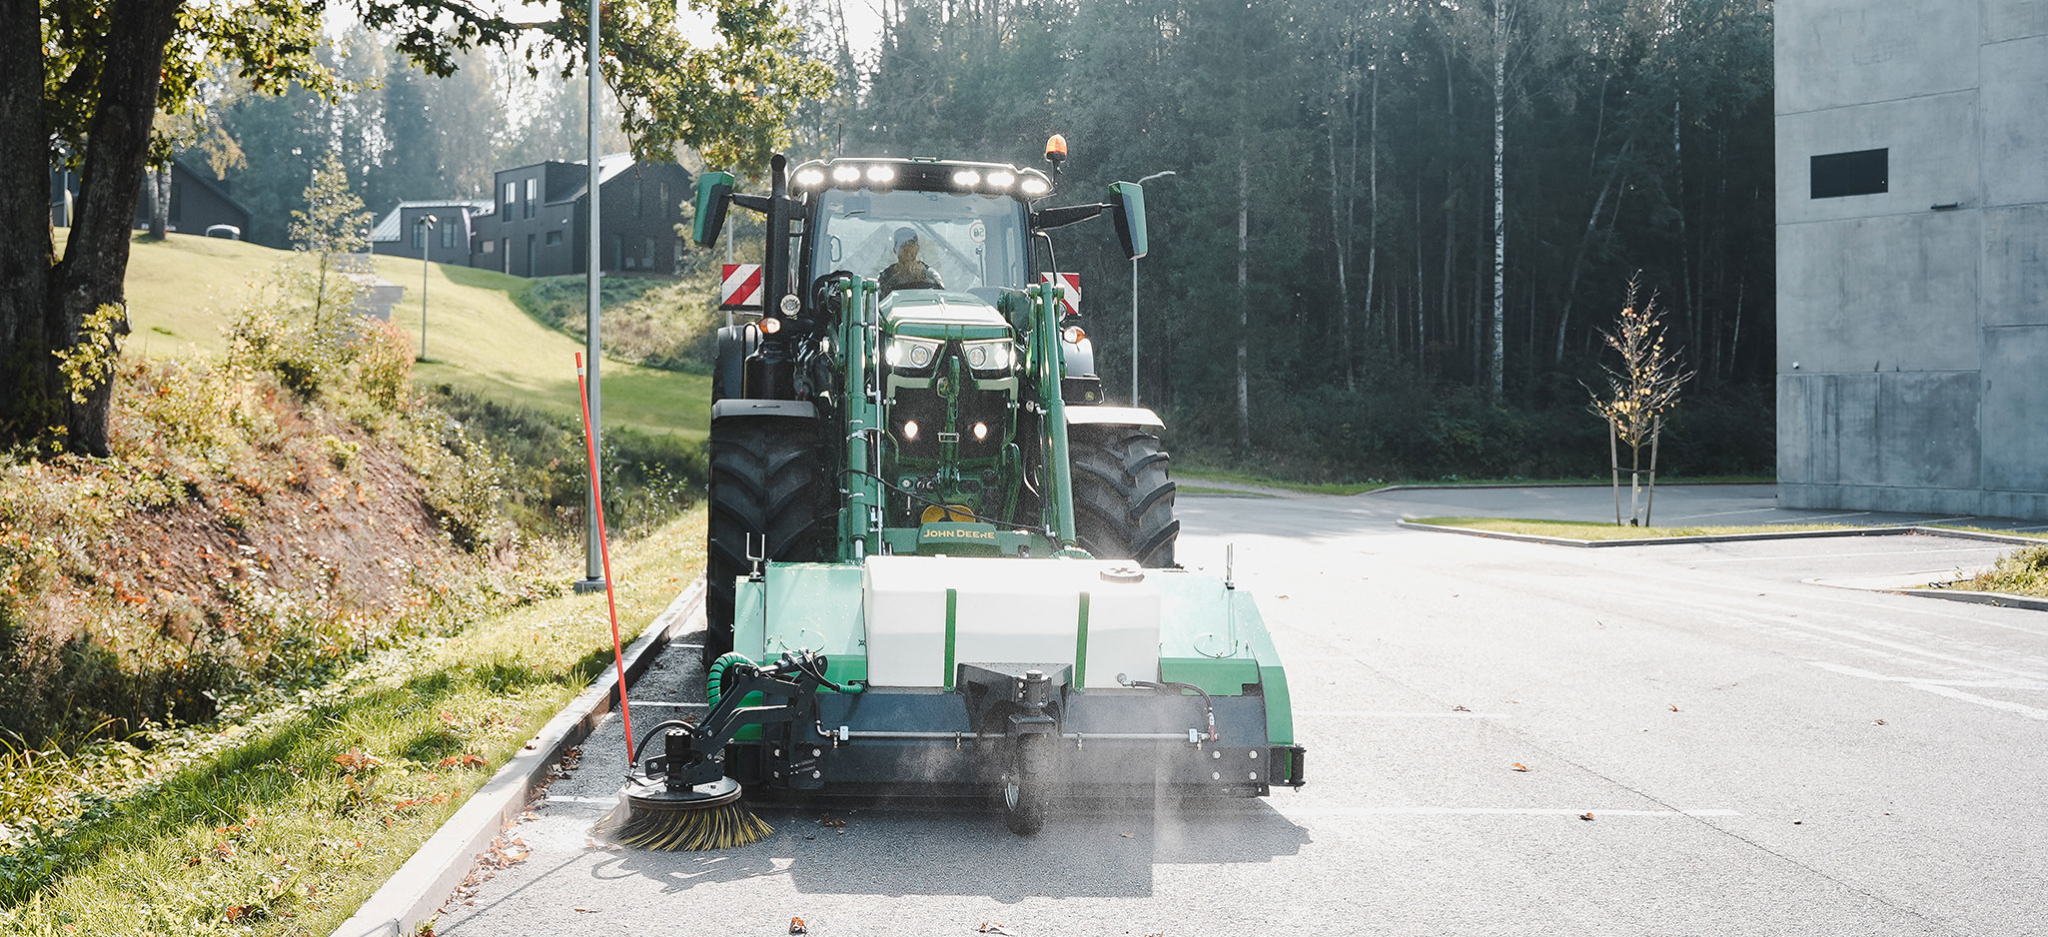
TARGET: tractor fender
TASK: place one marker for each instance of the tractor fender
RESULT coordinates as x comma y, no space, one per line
1114,416
735,343
733,406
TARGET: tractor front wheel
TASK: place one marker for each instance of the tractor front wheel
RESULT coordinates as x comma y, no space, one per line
1123,499
1027,784
767,486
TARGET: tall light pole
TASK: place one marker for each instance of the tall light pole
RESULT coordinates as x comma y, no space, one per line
1134,302
593,573
426,264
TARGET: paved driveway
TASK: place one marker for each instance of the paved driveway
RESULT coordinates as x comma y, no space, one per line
1759,753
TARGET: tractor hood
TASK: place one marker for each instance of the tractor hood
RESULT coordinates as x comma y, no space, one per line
942,314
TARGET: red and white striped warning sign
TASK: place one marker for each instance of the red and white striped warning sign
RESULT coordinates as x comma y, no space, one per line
1070,298
740,288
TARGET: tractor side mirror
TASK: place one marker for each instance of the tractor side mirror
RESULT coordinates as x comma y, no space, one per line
714,195
1127,207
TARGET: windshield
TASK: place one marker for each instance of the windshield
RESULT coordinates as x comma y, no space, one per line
963,241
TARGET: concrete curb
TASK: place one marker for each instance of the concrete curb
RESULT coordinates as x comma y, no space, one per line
417,890
2000,599
1725,538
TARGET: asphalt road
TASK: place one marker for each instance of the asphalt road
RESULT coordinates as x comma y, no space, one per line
1760,753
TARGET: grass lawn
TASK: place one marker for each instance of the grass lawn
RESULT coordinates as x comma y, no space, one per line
181,292
293,815
1199,475
1594,530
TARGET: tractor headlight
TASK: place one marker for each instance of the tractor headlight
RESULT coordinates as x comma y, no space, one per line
1001,179
967,178
845,174
1034,185
913,353
810,176
987,356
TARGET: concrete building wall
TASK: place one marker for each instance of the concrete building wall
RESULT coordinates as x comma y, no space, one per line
1913,322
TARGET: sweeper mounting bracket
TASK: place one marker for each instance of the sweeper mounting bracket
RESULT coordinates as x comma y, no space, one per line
781,693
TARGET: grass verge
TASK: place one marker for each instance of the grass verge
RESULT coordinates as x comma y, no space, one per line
1593,530
181,291
2021,572
284,816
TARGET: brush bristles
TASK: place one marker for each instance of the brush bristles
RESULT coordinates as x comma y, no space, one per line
722,827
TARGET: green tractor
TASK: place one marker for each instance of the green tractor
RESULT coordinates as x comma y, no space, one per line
937,558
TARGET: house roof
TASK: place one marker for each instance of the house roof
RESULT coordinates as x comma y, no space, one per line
212,186
387,230
608,168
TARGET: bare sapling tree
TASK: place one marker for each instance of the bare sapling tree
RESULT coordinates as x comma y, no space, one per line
1637,397
332,223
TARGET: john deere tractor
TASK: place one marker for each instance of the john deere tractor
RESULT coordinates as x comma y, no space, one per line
937,557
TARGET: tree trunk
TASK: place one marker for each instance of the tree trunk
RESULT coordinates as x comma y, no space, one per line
1372,231
27,370
1244,210
1339,232
1500,242
157,185
1571,290
96,256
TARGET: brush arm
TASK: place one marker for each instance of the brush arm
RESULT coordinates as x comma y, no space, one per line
695,754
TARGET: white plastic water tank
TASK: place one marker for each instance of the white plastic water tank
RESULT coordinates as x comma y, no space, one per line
1007,611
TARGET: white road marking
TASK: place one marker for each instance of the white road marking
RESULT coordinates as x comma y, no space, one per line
2030,712
1978,684
574,799
1489,812
1390,714
1948,689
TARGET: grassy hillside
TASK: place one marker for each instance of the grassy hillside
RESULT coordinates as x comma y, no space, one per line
182,290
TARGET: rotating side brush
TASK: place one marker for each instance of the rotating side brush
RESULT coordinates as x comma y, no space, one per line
650,815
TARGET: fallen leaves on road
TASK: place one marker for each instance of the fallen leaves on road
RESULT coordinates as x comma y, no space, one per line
587,910
796,926
1880,722
991,928
1460,709
1674,707
1588,815
832,822
1518,766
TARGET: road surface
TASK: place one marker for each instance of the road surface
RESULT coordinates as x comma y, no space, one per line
1760,753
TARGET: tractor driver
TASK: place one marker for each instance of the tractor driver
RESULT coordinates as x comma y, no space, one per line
908,272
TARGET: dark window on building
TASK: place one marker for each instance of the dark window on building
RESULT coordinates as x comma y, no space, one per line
511,195
662,207
532,195
554,238
448,237
1864,172
419,234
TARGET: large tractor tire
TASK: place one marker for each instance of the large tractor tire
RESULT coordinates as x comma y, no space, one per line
1123,499
766,481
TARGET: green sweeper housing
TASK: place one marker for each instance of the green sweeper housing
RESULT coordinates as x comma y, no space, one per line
938,562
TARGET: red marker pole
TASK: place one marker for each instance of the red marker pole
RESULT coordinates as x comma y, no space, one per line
604,552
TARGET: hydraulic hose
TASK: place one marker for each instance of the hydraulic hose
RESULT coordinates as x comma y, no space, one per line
1208,705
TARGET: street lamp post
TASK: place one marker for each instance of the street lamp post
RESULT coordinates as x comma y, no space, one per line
426,256
1134,302
593,572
